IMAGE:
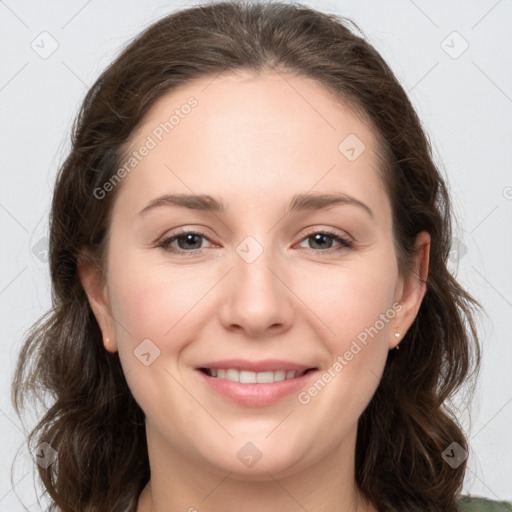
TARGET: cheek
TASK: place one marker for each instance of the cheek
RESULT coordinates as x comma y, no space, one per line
348,300
162,303
154,313
354,308
156,309
340,305
153,299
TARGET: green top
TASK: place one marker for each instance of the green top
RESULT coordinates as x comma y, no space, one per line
470,504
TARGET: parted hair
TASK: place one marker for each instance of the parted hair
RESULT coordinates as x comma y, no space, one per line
90,417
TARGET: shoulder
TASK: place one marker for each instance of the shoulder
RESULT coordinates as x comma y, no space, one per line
473,504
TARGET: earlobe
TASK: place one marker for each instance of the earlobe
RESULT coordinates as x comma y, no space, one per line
413,289
95,288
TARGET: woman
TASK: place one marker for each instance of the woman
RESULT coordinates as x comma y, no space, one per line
252,306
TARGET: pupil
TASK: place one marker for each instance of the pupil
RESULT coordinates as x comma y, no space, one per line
189,238
318,237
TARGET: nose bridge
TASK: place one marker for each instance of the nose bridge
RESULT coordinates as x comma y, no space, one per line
256,298
256,284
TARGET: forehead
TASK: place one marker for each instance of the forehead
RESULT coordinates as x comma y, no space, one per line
257,135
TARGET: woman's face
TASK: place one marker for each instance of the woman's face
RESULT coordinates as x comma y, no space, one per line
263,279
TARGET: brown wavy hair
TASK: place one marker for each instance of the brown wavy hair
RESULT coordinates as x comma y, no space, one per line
91,419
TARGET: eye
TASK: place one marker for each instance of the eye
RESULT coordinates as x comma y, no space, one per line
186,240
190,242
321,238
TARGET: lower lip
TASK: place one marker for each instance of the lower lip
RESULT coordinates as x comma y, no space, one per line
256,395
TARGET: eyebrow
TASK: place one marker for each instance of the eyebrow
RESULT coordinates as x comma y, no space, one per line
299,202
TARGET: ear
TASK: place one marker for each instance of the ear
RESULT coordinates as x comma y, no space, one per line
95,288
411,289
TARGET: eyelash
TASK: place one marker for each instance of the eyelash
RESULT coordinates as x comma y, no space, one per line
345,243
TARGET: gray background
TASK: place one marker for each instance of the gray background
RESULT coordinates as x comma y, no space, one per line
463,96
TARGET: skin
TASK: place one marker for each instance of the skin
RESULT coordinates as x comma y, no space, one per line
253,141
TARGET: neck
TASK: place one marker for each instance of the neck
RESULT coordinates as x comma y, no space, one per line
192,486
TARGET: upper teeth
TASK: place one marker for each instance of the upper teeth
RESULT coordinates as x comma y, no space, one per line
247,377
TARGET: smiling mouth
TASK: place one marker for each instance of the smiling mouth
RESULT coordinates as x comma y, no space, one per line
249,377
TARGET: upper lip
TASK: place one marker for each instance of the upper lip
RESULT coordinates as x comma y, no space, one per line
266,365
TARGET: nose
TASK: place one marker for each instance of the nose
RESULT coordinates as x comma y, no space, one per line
256,298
